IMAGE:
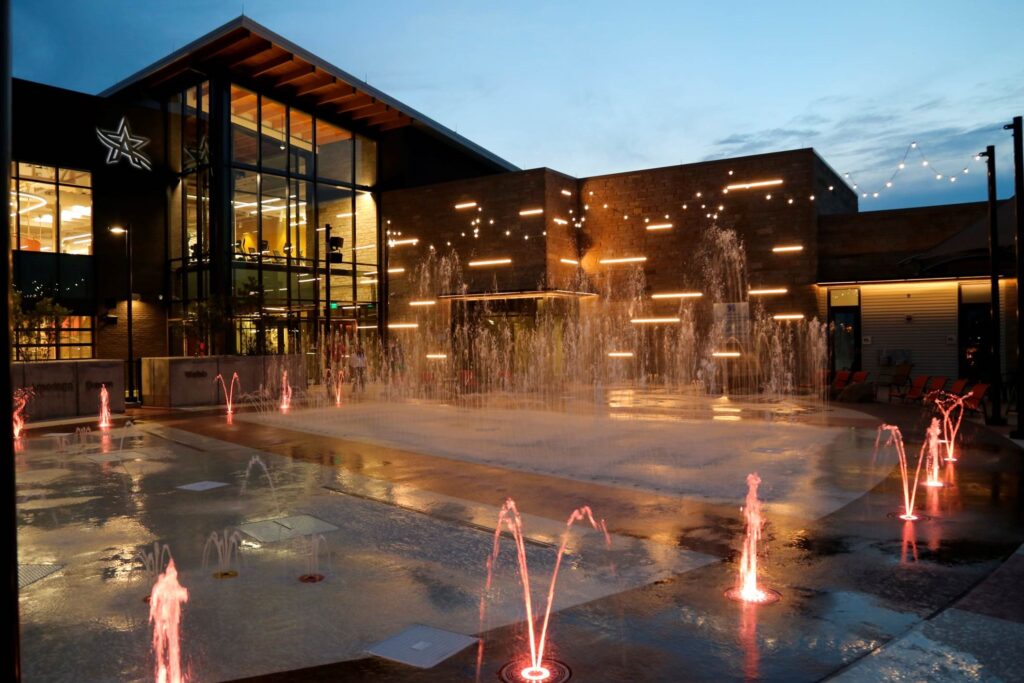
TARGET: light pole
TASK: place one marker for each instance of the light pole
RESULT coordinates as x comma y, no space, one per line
127,233
1018,192
993,258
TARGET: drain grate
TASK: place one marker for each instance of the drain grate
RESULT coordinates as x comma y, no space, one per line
201,486
284,528
421,646
30,573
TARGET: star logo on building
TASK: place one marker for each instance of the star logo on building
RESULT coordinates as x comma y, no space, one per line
121,144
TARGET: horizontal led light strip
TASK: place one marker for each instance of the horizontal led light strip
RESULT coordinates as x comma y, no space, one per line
788,316
788,248
425,302
403,326
725,354
653,321
490,262
465,205
625,259
677,295
620,354
437,356
569,261
396,270
761,292
531,212
398,243
659,226
750,186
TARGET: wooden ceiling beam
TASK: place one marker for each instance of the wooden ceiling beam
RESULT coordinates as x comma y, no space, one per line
266,67
400,122
315,85
367,112
385,117
258,47
285,79
363,100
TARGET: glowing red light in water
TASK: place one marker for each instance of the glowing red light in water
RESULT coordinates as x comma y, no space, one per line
20,399
932,444
104,407
746,588
909,542
229,393
165,614
510,520
748,639
951,407
286,392
336,383
909,489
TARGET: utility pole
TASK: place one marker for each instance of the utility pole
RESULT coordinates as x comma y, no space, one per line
993,258
1018,193
12,642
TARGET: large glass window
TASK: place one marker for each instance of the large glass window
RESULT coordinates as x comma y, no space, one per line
273,134
244,212
244,110
366,161
51,209
300,136
333,152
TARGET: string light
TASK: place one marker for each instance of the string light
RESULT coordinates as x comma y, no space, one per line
902,166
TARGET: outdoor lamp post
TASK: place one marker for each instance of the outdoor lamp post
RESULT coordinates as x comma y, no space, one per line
993,255
127,234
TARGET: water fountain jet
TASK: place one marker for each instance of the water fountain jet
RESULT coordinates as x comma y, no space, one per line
104,407
934,479
165,603
21,398
229,393
227,545
746,589
536,668
895,439
286,392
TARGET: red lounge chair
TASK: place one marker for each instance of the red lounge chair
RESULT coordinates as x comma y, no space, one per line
935,385
899,380
915,391
972,401
860,377
957,387
841,379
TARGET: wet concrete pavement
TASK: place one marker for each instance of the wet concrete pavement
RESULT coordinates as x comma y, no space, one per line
865,596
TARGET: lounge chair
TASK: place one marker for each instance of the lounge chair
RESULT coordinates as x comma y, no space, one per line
839,382
957,388
934,386
914,391
860,377
900,379
974,398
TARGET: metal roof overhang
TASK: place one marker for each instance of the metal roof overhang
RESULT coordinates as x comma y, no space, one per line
261,59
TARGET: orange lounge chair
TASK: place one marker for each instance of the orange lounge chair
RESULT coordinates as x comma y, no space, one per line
860,377
973,399
957,387
915,391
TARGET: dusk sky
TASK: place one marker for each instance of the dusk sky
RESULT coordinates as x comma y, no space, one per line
598,87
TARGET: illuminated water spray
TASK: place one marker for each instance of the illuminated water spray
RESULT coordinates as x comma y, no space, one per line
533,668
895,439
165,615
229,390
286,392
20,399
951,407
746,589
934,477
104,407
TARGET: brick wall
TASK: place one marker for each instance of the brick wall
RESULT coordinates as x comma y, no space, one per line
149,327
